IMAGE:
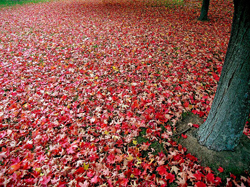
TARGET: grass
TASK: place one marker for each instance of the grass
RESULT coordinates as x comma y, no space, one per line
20,2
152,3
158,147
166,3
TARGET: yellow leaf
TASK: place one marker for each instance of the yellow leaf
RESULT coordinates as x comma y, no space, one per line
115,68
130,157
151,161
138,161
38,170
134,142
85,166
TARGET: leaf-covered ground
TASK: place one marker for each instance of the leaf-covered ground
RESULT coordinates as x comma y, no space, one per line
90,93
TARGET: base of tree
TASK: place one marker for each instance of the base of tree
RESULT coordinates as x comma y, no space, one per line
203,19
236,162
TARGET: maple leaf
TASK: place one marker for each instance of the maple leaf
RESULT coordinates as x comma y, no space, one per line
85,184
130,158
106,172
118,158
232,176
136,171
218,181
208,170
170,177
85,166
94,179
123,182
90,174
210,178
45,180
165,135
186,104
220,169
14,168
196,125
175,169
2,155
111,158
79,163
41,158
200,184
162,170
161,162
198,175
79,170
70,150
145,146
184,136
182,182
54,180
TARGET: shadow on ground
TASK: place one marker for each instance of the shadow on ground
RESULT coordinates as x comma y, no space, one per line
236,162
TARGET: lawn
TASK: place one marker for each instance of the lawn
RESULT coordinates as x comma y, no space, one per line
19,2
91,92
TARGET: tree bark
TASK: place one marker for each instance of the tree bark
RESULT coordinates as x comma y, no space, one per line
231,105
204,10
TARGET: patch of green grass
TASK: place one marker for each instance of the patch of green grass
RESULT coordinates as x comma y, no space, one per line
155,145
185,114
4,3
166,3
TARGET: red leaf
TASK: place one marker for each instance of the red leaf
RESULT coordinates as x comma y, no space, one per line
111,158
79,170
45,180
162,170
220,169
216,77
170,177
28,146
14,167
186,104
217,180
94,179
191,157
232,176
198,175
184,136
200,184
196,125
210,178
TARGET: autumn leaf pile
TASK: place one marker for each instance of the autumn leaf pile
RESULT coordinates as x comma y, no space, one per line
81,83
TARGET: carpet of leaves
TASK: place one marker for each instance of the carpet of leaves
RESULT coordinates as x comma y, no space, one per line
79,82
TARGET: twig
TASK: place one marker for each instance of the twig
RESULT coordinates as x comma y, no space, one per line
182,132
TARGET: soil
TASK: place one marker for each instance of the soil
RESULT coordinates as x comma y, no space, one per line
236,162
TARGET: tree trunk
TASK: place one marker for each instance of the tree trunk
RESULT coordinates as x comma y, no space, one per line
204,10
231,105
